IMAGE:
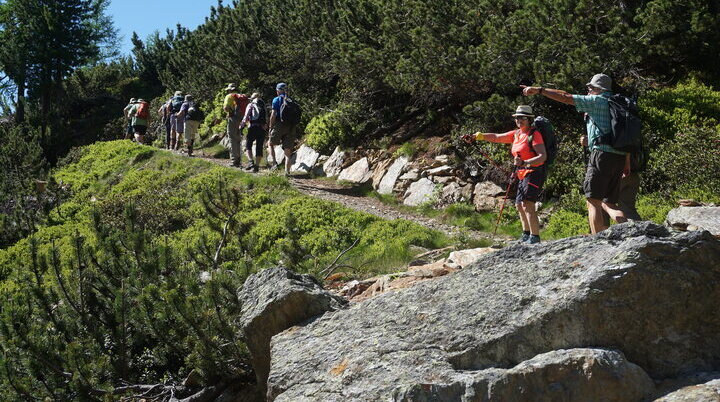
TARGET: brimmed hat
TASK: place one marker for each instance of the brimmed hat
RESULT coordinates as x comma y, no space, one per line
140,100
281,86
255,95
231,87
188,97
178,93
601,81
523,110
133,100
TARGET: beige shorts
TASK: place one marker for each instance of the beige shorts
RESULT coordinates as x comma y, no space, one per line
283,134
191,129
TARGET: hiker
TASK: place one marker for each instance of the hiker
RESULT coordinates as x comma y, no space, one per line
255,117
234,106
164,113
283,129
126,112
176,127
191,116
528,150
140,113
606,165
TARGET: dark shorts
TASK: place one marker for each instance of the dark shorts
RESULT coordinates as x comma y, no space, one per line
602,177
530,187
140,130
255,134
283,134
129,129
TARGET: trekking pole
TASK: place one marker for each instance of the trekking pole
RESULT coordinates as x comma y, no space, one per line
502,207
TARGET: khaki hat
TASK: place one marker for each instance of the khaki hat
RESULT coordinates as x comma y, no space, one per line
255,95
523,110
178,93
140,100
231,87
133,100
188,97
601,81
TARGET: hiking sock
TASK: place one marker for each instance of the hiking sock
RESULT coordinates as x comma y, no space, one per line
533,239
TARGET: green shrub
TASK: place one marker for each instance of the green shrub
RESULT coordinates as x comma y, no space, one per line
335,128
566,223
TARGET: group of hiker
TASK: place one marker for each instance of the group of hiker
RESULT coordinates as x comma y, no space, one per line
282,126
610,176
181,117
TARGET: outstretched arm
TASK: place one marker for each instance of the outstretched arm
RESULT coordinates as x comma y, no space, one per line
554,94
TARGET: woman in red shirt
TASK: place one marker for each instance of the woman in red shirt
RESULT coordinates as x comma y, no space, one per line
528,149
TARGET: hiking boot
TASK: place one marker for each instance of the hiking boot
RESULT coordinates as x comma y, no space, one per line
236,164
256,168
190,148
523,238
250,167
533,239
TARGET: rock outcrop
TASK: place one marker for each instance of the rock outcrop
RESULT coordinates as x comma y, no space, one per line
274,300
695,218
358,172
635,288
704,392
561,375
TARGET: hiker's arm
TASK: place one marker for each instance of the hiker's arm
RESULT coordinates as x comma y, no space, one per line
505,138
541,155
557,95
273,117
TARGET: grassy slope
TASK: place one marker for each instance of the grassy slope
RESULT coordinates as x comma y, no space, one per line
165,189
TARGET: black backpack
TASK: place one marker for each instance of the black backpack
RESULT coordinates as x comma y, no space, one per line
195,113
290,111
626,124
176,103
542,124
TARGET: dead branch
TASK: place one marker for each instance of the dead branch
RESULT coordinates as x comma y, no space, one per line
332,266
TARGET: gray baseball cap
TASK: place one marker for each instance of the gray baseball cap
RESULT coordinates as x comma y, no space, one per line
601,81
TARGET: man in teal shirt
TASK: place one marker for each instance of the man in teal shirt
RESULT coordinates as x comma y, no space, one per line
607,165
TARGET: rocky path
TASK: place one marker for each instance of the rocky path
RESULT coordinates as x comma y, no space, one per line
332,191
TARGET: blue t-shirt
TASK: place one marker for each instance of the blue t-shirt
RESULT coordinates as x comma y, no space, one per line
277,103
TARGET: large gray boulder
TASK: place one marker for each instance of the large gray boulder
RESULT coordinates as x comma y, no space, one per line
635,288
695,218
274,300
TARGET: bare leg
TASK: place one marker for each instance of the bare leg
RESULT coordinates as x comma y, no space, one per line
595,216
288,154
531,217
271,152
614,211
523,217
